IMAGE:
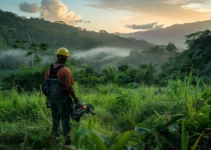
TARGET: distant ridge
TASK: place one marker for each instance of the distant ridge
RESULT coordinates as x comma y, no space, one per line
175,33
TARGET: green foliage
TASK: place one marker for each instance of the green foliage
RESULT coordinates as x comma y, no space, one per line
145,73
156,49
195,60
110,75
121,104
10,62
144,118
171,48
29,78
184,137
194,147
3,43
87,76
26,79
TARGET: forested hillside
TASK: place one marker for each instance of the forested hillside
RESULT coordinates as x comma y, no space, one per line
194,60
175,33
58,34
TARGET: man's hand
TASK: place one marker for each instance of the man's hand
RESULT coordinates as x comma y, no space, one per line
72,94
76,101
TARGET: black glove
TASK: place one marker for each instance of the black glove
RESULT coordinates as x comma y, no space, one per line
76,101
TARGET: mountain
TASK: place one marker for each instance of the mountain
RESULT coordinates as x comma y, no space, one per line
175,33
57,34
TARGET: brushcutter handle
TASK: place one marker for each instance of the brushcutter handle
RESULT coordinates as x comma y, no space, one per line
92,112
90,109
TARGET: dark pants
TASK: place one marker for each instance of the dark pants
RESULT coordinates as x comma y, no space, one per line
60,110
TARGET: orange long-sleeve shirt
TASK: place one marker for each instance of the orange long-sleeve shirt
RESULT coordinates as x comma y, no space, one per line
64,75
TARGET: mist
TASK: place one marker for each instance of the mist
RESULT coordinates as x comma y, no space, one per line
109,51
100,57
17,57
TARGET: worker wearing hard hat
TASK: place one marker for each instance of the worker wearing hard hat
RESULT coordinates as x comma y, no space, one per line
61,82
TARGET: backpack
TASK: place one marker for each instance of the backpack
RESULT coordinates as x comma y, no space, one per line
52,87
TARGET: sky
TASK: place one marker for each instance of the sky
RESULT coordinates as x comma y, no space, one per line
122,16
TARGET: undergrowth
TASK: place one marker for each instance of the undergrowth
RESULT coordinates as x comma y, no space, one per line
174,117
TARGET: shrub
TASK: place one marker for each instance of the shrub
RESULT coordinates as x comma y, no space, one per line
27,79
10,62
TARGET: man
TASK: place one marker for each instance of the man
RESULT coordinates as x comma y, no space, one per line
61,103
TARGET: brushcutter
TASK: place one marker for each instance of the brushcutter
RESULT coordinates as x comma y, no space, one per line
80,109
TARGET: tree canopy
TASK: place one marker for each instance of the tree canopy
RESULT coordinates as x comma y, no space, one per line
196,59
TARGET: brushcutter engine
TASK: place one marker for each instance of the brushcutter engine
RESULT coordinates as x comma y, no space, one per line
80,109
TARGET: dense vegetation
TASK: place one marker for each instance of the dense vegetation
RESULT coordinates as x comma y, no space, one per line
195,60
174,117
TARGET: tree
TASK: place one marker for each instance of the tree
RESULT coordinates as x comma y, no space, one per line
195,60
33,48
156,49
171,48
103,32
3,43
122,68
11,31
110,74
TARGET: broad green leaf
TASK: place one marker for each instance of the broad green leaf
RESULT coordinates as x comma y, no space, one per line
173,128
79,134
91,124
98,142
123,140
173,120
143,130
112,140
177,117
132,122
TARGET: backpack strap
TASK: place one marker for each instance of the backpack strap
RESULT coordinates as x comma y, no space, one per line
53,71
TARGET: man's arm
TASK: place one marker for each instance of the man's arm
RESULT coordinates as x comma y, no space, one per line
71,92
68,84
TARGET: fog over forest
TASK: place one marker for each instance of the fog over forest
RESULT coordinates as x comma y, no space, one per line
99,57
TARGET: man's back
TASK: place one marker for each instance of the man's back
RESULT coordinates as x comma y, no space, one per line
64,75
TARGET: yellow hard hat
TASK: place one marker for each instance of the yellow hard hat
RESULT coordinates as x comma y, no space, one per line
63,51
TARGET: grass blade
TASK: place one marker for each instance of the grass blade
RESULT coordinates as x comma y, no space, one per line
197,142
183,136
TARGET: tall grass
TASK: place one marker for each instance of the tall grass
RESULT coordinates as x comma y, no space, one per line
147,117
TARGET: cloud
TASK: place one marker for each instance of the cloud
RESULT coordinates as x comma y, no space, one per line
84,21
87,21
52,10
142,26
197,7
146,5
173,2
158,26
203,6
148,26
172,10
29,8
